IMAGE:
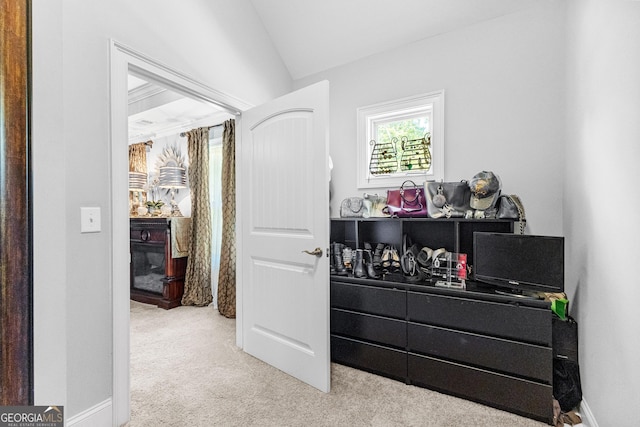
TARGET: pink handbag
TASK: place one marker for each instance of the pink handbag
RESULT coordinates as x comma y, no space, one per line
407,202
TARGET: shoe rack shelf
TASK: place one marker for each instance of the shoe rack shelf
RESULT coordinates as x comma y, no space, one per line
454,234
472,343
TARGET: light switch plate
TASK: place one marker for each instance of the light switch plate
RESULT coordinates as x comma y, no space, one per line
90,220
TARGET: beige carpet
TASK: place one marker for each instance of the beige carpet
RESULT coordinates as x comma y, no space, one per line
187,371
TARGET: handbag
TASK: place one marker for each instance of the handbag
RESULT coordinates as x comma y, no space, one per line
407,202
377,205
352,207
511,207
447,199
567,388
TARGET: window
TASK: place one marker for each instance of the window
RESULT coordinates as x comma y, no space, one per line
400,140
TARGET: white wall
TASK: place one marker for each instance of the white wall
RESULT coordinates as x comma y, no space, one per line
219,43
601,202
504,91
49,208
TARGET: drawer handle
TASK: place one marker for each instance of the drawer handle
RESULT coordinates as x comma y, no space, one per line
317,252
145,235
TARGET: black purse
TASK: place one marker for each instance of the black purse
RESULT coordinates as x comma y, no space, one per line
511,207
567,388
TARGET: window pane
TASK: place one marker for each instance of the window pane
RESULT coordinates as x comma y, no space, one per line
401,146
401,139
411,128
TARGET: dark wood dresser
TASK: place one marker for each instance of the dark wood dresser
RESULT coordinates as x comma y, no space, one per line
472,343
157,265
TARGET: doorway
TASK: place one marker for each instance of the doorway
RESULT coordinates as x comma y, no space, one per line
157,122
125,61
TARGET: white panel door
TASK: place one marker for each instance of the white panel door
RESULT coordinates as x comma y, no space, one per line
284,197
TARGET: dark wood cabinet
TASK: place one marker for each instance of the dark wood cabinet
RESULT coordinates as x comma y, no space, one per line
472,343
157,273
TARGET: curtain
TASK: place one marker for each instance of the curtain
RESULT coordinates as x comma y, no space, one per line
197,281
215,188
138,157
137,163
227,273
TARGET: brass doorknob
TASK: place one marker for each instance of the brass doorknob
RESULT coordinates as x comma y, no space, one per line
317,252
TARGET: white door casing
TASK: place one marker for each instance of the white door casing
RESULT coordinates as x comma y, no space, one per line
283,210
124,60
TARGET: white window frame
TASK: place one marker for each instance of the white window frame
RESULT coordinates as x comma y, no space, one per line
430,103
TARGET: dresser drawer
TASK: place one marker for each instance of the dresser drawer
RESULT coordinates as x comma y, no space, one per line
369,327
527,398
148,230
369,357
368,299
521,323
497,354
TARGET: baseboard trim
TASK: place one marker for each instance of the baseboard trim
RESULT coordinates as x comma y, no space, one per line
588,420
99,415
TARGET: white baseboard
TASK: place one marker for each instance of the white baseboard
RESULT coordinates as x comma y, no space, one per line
588,420
99,415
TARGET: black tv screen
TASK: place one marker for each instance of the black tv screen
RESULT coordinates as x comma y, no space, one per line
521,263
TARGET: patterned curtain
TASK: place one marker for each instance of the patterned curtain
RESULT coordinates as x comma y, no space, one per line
227,273
215,187
137,163
197,281
138,157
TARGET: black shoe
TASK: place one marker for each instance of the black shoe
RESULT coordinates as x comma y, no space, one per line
368,261
377,256
338,264
358,268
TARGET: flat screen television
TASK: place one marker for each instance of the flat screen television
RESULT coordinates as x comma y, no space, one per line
519,264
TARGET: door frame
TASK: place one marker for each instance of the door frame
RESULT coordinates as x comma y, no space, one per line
124,60
17,302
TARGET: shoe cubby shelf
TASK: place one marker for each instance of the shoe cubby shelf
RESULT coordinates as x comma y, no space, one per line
452,234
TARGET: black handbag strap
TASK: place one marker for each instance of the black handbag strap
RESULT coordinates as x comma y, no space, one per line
358,203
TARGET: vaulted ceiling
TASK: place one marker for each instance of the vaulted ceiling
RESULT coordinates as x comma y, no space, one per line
315,35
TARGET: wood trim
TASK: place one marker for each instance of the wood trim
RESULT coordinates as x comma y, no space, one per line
16,223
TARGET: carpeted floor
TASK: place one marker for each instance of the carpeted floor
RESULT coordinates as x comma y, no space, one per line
187,371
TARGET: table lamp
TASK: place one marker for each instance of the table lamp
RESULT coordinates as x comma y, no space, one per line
137,182
173,177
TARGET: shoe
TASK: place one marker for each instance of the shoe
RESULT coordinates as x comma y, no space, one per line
385,259
395,259
368,262
332,261
338,264
358,264
347,258
377,256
